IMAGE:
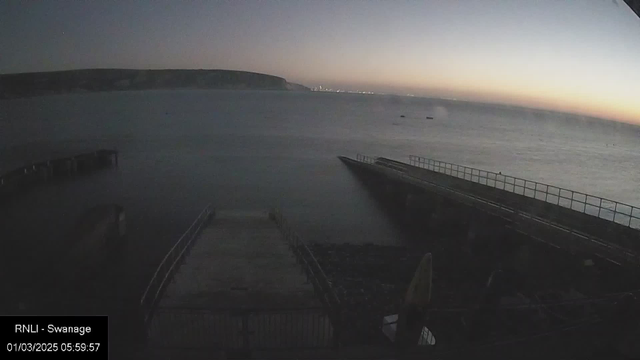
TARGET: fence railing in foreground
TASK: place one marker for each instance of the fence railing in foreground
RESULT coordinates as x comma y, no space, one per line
242,329
603,208
170,263
315,274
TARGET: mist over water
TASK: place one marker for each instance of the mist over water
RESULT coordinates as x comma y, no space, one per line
180,150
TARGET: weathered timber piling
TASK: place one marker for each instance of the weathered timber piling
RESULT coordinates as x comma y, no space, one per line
41,172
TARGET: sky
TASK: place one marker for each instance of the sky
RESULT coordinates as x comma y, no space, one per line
580,56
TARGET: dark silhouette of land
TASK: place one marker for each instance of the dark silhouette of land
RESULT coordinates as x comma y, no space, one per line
634,5
93,80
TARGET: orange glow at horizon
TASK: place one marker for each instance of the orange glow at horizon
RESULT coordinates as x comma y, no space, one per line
573,56
598,88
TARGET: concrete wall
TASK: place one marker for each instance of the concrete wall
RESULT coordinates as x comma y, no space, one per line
607,230
493,239
622,241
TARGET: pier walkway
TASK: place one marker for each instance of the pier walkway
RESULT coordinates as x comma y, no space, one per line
239,288
560,217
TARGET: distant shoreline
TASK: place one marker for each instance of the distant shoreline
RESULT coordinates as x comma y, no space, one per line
25,85
535,111
29,85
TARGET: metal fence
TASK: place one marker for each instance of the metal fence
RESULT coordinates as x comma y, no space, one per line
241,329
603,208
169,264
315,274
365,159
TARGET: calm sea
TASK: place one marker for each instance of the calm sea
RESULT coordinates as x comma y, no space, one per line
180,150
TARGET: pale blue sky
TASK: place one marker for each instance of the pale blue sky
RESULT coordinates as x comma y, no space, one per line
573,55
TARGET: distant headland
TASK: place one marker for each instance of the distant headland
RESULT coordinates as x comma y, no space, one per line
93,80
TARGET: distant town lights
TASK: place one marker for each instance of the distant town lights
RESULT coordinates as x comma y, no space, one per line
320,88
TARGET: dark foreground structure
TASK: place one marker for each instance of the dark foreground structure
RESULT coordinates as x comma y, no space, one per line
518,272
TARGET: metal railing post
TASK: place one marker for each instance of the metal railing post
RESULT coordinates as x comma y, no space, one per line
600,207
571,203
337,327
546,193
477,176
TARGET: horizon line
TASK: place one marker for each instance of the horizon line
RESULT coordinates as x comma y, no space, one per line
404,93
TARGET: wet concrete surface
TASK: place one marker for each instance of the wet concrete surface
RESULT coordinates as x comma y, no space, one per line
239,260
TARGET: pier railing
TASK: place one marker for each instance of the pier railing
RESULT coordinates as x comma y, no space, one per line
620,213
170,263
365,159
247,329
312,269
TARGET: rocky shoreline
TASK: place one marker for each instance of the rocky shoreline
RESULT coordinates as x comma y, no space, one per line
371,282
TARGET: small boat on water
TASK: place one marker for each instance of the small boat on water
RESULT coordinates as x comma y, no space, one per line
429,117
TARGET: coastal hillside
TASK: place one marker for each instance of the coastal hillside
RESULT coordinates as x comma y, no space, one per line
91,80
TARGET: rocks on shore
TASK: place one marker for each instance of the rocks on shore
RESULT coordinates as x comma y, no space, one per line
371,282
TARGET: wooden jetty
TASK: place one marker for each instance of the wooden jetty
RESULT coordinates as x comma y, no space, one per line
41,172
